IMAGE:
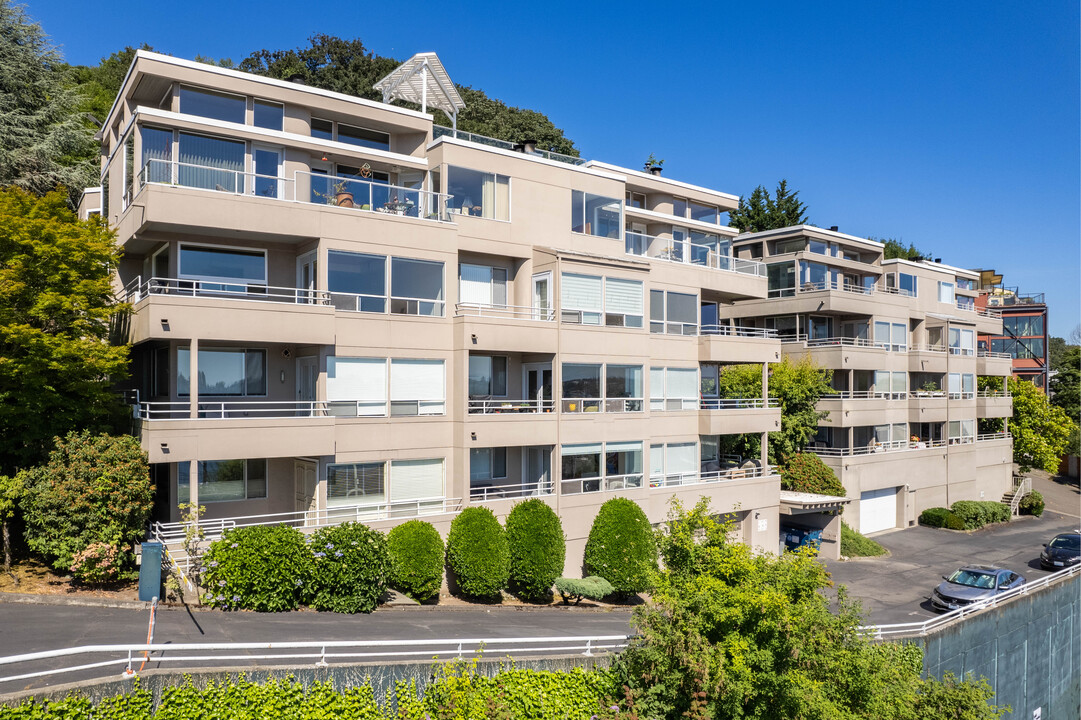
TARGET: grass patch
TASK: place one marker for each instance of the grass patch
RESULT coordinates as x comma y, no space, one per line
855,545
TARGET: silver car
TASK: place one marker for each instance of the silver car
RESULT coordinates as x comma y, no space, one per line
973,583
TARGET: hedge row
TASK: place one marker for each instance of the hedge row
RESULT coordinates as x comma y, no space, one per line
966,515
347,568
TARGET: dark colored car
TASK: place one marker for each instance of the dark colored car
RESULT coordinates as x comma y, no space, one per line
1063,551
973,583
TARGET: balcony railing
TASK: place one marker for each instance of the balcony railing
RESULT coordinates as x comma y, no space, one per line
994,355
439,131
505,312
516,490
608,405
275,409
927,394
738,403
865,395
340,191
994,394
137,289
399,305
928,347
688,253
905,445
608,483
498,406
736,331
737,472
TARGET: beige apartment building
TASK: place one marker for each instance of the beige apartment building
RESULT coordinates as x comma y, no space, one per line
343,311
902,431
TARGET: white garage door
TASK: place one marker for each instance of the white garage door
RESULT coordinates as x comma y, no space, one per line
878,510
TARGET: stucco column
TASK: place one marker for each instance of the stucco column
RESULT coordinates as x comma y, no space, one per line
765,382
193,379
851,436
193,482
764,452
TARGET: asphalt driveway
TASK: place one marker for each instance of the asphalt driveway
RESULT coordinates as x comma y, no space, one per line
895,589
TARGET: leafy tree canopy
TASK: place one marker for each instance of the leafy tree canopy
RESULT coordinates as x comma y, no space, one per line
896,249
44,141
57,367
1065,386
762,212
347,66
99,84
1056,348
1041,431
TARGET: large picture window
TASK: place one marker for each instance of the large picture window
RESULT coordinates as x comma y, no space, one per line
596,215
269,115
363,137
487,376
356,483
581,387
213,105
416,287
211,163
223,372
241,267
781,279
157,155
623,388
487,464
673,313
945,292
224,480
480,194
357,281
482,285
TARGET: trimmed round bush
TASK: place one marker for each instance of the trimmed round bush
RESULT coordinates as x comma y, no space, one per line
621,548
538,548
477,553
416,559
262,568
349,568
1032,504
941,517
805,472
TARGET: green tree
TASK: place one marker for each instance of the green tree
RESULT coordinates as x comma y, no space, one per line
11,490
44,141
347,66
762,212
1056,348
94,489
1041,431
100,84
57,368
1065,386
728,633
895,249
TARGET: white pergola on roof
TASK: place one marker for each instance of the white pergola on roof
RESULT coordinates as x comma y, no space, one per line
423,80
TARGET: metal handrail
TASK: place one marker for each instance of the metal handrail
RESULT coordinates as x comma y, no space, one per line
377,197
989,354
608,483
864,395
322,651
153,410
928,347
439,131
893,446
169,174
506,312
922,628
136,290
736,331
707,403
712,476
501,492
994,394
493,406
576,405
1022,487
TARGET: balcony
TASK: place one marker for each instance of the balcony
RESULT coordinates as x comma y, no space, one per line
507,422
439,131
688,253
734,416
598,405
653,483
505,328
993,363
733,344
167,308
839,352
856,408
993,403
299,410
927,358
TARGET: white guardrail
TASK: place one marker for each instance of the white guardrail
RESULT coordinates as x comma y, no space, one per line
916,629
322,652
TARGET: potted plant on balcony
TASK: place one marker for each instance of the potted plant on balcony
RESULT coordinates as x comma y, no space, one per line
343,197
653,165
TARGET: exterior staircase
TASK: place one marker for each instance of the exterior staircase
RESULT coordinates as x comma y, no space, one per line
1022,486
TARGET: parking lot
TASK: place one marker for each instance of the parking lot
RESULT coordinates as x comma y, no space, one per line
895,589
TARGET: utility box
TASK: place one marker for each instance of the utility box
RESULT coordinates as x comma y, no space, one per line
150,571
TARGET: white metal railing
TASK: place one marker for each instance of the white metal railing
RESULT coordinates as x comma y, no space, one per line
845,342
708,403
961,351
736,331
985,437
439,131
501,492
928,347
506,312
240,409
994,394
925,394
688,253
399,305
608,483
997,355
961,395
137,289
377,197
608,405
736,472
490,406
993,313
864,395
670,327
922,628
207,177
130,658
1021,486
878,447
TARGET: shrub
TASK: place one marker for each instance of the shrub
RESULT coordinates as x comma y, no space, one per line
98,564
592,587
1032,504
977,513
93,489
854,544
934,517
807,473
416,559
621,548
262,568
477,553
538,548
349,567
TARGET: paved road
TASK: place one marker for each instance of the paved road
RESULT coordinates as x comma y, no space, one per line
895,589
33,628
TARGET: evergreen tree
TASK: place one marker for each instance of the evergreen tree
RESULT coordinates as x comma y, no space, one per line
896,249
762,212
1065,386
44,140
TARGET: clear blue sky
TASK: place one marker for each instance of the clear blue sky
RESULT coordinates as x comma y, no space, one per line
951,125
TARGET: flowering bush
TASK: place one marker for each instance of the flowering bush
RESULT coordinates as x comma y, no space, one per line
262,568
99,563
349,568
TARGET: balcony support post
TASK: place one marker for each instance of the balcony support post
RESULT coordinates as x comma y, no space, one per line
764,451
765,384
193,484
193,379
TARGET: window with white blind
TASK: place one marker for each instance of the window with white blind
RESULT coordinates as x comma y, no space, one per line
891,385
624,304
656,388
945,292
681,389
673,464
356,483
898,337
416,479
962,341
482,285
417,387
581,298
356,386
962,431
